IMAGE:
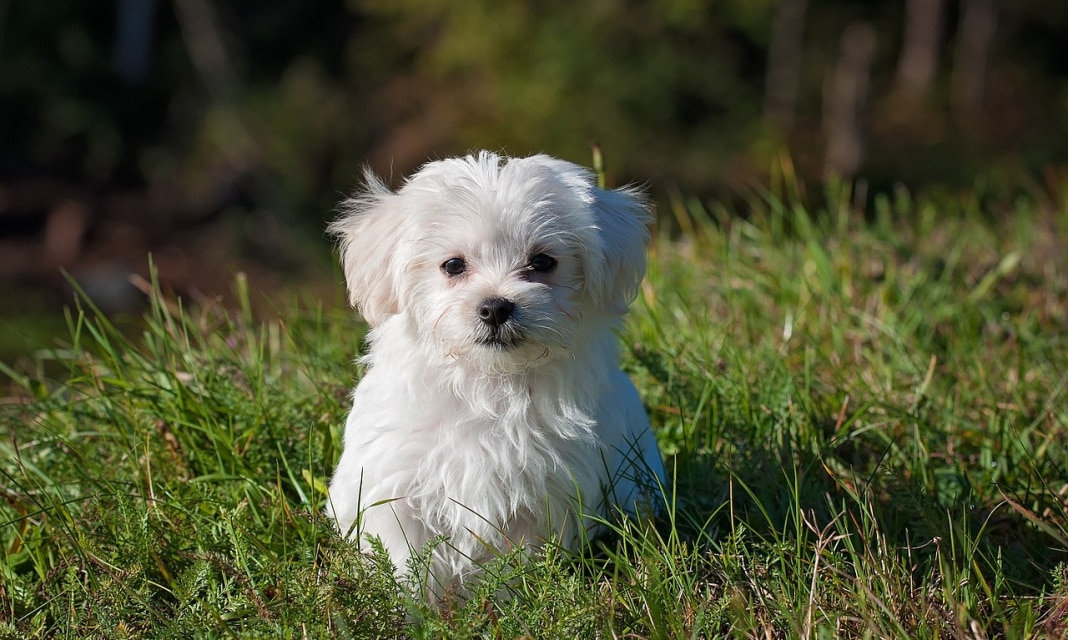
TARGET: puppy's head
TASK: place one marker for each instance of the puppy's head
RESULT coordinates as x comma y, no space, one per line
494,259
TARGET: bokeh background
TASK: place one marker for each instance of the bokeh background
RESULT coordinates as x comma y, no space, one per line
217,135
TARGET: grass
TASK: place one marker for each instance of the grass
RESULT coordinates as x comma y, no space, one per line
866,419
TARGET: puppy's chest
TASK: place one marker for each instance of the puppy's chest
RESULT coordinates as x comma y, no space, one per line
502,465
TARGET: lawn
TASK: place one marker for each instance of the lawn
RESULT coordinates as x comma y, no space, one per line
865,415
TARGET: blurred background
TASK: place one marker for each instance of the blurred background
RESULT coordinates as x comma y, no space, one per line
217,135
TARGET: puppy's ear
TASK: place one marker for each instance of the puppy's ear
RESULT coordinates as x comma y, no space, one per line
370,233
623,217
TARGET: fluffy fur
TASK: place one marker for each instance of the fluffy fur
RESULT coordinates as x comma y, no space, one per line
492,412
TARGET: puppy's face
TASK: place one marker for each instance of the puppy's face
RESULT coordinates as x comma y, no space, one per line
498,275
496,262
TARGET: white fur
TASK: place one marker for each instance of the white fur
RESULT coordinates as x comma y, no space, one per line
475,445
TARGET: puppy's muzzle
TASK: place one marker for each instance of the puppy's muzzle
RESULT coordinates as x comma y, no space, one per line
499,322
495,311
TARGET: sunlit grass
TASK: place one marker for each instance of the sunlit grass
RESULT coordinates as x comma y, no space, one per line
865,418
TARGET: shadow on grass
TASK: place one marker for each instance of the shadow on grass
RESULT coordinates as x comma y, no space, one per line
764,456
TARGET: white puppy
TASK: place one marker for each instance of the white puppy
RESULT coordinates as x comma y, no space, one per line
493,412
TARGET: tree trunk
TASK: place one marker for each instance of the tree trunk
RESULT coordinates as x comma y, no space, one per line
975,38
918,64
784,63
845,100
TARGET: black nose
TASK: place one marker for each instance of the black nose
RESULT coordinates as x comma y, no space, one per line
495,311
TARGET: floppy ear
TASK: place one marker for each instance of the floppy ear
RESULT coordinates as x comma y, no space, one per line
614,258
613,273
370,232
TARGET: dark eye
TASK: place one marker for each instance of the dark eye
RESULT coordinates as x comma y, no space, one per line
454,266
542,263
